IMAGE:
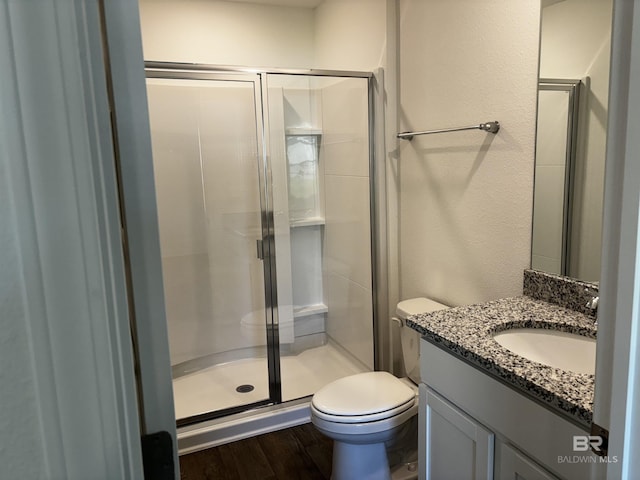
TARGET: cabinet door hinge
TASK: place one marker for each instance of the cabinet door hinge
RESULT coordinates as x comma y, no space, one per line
157,456
602,450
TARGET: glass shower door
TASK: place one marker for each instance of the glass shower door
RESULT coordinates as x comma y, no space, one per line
320,159
208,166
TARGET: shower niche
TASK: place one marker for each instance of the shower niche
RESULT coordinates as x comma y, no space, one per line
264,203
306,229
295,121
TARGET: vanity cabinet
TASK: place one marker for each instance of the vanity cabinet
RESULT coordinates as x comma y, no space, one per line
473,426
456,445
514,465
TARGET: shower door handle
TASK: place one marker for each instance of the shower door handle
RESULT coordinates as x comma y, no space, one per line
260,249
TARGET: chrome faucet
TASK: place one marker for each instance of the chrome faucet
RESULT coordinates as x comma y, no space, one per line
593,305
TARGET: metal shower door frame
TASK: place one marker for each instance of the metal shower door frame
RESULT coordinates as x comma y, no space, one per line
573,89
260,79
169,71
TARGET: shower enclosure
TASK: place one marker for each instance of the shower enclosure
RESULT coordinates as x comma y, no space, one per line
263,184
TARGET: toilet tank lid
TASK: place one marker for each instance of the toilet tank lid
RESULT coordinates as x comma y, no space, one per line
413,306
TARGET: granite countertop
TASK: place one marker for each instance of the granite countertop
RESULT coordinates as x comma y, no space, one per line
467,332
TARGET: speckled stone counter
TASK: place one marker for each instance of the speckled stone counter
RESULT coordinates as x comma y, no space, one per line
467,333
564,291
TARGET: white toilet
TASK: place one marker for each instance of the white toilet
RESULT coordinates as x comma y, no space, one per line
362,412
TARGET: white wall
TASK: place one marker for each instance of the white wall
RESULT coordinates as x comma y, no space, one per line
350,35
466,197
227,33
575,43
338,34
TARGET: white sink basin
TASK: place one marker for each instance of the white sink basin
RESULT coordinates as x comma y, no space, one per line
567,351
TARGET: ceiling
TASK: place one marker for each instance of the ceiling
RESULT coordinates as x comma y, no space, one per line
282,3
285,3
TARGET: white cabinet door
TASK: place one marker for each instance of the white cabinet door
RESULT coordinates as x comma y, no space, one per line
516,466
453,446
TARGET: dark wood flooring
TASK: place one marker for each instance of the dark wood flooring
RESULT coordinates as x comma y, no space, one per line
294,453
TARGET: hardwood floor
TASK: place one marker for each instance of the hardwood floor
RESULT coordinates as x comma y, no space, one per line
295,453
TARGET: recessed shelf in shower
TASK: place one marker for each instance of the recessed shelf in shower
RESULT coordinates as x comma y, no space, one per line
307,222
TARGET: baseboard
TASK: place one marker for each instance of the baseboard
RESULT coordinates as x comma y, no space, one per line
213,433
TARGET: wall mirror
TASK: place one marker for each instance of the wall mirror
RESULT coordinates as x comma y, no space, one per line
571,137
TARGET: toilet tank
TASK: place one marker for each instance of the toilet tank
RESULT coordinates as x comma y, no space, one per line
409,337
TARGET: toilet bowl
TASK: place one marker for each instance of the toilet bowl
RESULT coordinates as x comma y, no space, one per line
364,411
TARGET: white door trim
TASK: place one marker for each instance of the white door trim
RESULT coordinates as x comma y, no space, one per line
57,152
126,65
617,398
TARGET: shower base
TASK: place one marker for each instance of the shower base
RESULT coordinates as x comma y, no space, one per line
216,387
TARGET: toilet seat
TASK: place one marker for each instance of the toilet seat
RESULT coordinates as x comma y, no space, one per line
363,418
351,431
361,398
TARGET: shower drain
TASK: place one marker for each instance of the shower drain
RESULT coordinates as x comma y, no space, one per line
244,388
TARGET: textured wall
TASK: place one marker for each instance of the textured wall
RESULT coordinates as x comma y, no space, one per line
466,197
350,34
227,33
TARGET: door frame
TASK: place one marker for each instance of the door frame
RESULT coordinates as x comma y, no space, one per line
163,71
617,394
130,119
81,416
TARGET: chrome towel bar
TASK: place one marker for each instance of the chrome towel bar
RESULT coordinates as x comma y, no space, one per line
490,127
